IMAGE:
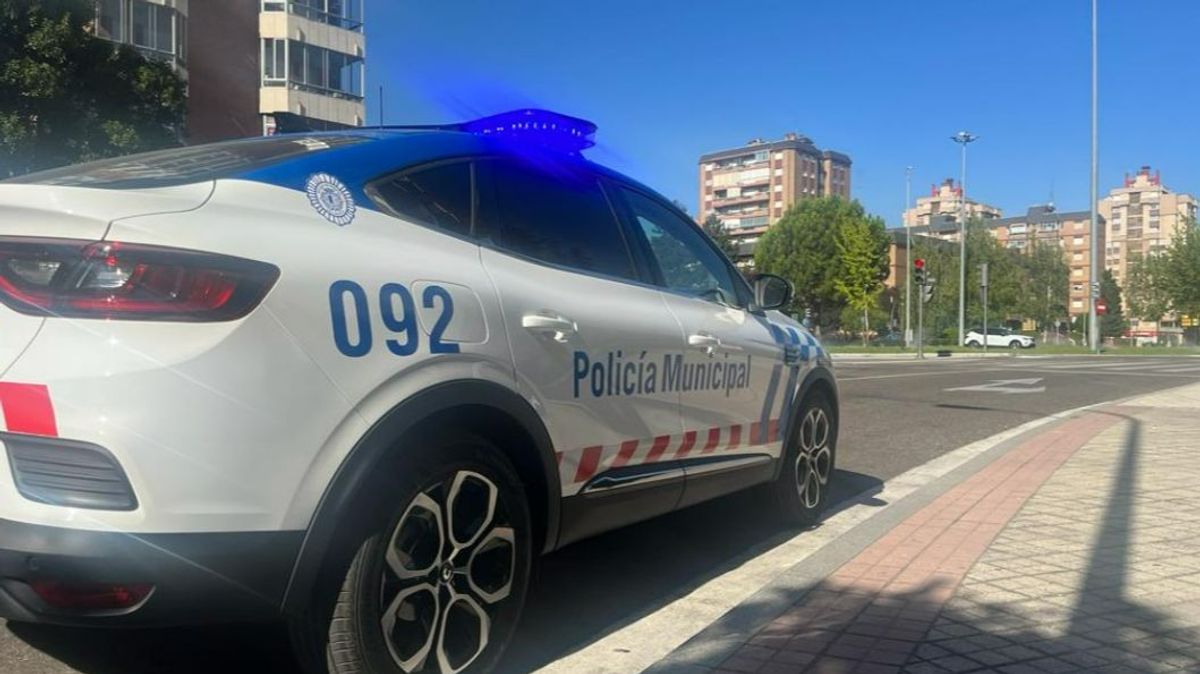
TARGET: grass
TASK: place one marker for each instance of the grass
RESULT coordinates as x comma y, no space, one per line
1039,350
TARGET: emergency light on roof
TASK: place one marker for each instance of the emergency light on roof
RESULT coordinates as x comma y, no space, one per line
537,127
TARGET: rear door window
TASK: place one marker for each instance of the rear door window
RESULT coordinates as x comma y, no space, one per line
439,196
555,214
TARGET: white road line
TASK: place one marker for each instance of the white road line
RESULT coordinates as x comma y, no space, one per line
1194,368
634,647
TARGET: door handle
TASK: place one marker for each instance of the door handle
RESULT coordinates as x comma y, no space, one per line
558,327
704,342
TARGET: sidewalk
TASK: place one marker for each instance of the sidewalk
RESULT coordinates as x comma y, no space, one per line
1076,549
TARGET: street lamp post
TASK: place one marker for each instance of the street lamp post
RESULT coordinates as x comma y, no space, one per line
907,259
962,138
1094,327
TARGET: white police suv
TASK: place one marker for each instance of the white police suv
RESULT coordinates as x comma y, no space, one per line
357,381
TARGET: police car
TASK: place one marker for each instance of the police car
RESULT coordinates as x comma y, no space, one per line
358,381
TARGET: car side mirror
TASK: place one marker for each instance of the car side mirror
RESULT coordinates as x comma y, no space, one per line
771,291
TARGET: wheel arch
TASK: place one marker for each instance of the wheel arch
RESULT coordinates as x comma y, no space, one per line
490,409
819,380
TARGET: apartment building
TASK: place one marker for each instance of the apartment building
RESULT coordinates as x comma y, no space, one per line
749,188
1142,217
1070,231
942,206
253,67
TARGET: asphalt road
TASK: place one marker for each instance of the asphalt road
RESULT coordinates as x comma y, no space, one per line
896,415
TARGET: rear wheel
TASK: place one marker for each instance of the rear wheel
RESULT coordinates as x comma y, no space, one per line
1015,344
439,588
801,492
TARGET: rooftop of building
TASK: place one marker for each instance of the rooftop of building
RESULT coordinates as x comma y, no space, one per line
791,141
1041,213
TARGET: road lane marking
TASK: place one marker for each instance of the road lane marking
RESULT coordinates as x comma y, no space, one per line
1005,386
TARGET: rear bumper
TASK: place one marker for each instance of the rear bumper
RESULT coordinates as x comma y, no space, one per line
197,577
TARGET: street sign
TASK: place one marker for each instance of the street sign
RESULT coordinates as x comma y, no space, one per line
1095,290
983,275
1101,307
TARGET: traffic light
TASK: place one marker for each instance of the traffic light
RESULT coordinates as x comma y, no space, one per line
919,271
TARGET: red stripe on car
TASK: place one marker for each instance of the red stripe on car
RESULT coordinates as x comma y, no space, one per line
685,446
625,453
658,448
27,408
714,439
735,436
588,463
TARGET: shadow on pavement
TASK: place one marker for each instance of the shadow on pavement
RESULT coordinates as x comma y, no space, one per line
583,592
201,650
938,627
597,586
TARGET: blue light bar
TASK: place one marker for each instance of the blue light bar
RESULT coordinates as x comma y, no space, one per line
536,127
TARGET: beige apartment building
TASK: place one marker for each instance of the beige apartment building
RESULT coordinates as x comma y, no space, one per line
941,207
253,67
749,188
1142,218
1069,231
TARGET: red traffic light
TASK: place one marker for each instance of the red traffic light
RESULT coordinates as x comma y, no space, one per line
919,263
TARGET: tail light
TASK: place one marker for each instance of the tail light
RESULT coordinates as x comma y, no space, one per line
84,279
91,596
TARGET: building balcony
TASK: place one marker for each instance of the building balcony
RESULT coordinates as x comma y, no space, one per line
744,199
312,13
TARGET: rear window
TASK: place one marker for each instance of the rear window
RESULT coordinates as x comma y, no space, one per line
180,166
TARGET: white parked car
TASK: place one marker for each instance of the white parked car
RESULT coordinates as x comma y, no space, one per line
356,381
1002,337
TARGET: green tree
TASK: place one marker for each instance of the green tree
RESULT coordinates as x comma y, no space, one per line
1047,279
1146,290
1112,323
859,280
802,247
715,230
1181,279
67,96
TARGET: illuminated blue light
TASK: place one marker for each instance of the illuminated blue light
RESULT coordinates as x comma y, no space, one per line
536,127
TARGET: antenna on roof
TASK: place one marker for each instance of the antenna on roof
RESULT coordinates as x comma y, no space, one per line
1052,193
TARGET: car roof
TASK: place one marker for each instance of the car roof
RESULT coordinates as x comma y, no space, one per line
353,156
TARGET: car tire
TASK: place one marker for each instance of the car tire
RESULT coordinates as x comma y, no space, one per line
438,588
974,344
1014,345
801,491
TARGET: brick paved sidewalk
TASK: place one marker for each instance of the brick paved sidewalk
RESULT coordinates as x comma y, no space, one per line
1077,550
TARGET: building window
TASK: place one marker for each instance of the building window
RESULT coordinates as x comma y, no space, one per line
108,20
323,69
274,61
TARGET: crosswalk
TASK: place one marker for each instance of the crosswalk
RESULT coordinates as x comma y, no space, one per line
1146,365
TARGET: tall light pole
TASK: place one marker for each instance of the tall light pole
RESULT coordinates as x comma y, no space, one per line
1094,289
962,138
907,258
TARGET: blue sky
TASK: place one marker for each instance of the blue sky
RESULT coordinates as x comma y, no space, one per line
876,79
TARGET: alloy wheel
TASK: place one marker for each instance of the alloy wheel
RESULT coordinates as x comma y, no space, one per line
450,563
814,458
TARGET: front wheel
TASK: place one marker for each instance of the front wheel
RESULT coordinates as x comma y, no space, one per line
1014,345
801,492
439,588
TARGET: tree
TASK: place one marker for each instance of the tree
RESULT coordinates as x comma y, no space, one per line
1181,279
1047,279
67,96
1112,323
715,229
859,280
1146,290
802,247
